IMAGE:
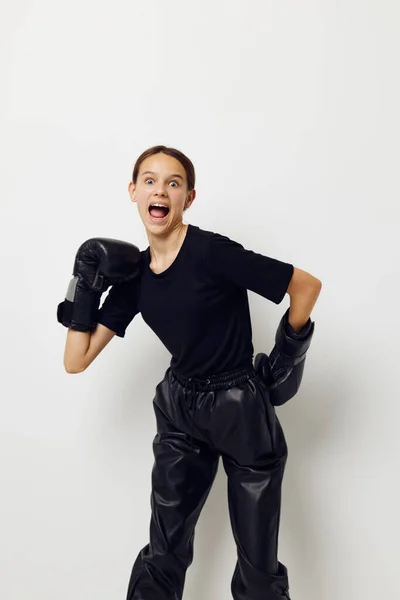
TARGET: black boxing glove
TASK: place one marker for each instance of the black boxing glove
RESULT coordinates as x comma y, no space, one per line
99,263
282,371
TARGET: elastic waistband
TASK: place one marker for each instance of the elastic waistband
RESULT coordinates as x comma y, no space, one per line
217,381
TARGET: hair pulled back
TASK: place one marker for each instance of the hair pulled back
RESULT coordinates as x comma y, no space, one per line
182,158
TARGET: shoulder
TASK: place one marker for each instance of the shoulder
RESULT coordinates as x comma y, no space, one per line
213,238
200,239
215,249
200,233
208,242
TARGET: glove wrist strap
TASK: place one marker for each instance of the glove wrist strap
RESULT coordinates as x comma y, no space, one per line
80,307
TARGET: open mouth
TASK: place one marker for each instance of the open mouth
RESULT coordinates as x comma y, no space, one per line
158,212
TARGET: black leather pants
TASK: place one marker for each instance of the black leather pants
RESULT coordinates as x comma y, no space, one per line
197,422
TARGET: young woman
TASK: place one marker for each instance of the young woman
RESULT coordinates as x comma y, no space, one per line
192,292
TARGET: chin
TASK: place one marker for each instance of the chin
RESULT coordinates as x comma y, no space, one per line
155,228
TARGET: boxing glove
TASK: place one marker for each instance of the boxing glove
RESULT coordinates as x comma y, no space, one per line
282,370
99,263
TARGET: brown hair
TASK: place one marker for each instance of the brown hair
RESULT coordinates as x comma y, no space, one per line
184,160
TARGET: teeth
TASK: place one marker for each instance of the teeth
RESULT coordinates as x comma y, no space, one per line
162,205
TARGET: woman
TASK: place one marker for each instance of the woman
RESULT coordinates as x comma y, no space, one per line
192,292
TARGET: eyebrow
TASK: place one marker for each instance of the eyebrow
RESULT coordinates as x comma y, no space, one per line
172,174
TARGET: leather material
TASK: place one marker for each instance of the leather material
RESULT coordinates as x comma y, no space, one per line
99,263
199,421
282,371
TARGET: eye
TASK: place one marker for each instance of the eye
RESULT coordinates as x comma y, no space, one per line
150,179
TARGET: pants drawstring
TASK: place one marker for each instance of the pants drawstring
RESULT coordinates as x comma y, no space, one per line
223,380
190,387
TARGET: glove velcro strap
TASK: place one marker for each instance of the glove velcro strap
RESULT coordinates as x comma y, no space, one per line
69,316
79,310
282,371
293,348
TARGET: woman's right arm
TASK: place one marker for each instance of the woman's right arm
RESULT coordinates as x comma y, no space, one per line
82,347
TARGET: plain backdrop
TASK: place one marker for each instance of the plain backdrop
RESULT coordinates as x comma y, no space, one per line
289,112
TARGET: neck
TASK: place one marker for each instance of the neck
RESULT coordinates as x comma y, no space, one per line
166,245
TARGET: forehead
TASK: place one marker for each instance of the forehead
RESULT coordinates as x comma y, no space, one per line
162,163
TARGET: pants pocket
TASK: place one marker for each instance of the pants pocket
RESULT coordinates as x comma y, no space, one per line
262,396
275,427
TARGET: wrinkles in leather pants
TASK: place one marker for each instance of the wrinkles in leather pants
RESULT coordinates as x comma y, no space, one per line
198,421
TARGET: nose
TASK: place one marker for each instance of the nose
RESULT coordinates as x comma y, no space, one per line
160,190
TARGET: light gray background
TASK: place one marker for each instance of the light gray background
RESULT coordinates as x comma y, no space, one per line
289,111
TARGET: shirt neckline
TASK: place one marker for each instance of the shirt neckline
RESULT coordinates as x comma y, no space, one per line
173,265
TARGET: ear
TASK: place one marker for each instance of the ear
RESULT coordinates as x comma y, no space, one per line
131,190
190,198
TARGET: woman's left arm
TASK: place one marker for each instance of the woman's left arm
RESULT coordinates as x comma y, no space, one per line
303,290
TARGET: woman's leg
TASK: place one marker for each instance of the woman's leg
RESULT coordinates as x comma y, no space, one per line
254,496
182,477
254,458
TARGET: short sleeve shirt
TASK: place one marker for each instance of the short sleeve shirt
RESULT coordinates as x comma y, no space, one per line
198,307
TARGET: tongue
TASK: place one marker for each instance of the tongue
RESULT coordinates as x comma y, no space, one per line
158,212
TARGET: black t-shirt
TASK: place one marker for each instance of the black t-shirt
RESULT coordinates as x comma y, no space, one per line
198,307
